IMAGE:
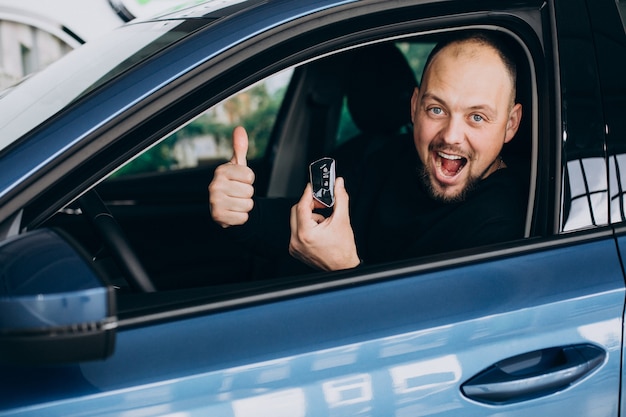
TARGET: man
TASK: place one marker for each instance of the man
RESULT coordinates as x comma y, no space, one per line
446,189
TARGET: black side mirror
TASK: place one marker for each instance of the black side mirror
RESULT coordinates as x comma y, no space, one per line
54,307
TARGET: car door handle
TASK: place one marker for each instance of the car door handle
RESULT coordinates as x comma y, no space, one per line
533,374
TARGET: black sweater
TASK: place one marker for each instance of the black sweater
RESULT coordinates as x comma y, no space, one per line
394,218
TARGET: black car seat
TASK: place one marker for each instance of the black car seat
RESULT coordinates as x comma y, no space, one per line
378,90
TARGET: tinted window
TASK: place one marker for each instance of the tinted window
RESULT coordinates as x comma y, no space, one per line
585,188
617,161
622,11
610,42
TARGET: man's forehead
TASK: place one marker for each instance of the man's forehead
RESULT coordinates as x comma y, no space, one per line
467,85
469,49
467,63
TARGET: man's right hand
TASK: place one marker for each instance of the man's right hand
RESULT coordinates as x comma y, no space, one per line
231,191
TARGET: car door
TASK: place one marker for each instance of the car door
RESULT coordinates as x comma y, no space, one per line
609,25
530,326
534,331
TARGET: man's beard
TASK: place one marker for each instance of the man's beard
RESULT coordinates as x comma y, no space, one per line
438,195
470,186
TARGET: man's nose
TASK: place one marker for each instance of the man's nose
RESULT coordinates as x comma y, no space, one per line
454,130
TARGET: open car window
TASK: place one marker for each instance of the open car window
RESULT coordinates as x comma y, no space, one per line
207,139
172,232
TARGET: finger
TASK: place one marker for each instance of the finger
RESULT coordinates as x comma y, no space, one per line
341,208
239,173
293,221
318,218
231,218
240,146
301,213
235,189
232,180
307,196
234,212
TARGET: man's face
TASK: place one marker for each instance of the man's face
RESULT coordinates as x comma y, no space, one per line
463,115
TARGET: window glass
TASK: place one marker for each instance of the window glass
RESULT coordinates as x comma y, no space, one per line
618,212
588,188
207,138
611,43
617,165
81,71
622,11
416,54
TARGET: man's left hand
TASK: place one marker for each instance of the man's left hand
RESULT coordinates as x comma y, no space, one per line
325,243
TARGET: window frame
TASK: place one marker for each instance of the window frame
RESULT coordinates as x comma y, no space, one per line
236,296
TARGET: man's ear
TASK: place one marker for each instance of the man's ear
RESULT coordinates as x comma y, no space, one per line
515,117
414,104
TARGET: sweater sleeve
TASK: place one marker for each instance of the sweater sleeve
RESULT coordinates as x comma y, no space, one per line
267,230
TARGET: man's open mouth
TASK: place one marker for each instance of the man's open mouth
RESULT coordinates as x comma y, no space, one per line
450,165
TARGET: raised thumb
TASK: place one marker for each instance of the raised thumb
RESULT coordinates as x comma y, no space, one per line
240,146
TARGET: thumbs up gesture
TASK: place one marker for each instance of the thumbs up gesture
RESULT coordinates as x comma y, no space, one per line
240,146
231,191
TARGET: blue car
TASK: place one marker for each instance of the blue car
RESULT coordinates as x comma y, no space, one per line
118,297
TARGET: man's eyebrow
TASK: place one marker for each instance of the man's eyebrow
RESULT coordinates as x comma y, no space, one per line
431,96
485,108
478,107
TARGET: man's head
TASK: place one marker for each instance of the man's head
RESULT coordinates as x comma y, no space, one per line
464,112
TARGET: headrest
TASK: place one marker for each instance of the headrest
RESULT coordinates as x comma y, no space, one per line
380,85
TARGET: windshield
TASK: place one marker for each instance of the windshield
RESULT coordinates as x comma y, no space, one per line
38,98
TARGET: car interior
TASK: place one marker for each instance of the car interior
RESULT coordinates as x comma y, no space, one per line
345,105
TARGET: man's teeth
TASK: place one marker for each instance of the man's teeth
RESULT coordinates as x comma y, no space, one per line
448,156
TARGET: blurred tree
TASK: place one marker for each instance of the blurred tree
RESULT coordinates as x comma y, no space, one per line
255,109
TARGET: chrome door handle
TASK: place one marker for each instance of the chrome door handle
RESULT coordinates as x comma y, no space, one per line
533,374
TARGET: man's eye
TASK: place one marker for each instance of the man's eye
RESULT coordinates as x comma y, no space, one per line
477,118
436,110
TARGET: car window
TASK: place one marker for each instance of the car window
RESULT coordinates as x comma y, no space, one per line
588,193
622,11
186,251
207,138
610,43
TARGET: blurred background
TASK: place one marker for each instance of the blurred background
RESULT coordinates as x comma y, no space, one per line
35,33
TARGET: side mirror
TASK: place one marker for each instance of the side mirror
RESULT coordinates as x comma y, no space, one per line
54,308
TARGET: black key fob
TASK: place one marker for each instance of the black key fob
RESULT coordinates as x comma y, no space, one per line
322,173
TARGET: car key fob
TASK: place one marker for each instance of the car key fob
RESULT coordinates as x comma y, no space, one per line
322,173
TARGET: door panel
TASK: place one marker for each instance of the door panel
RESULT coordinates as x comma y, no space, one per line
621,242
391,347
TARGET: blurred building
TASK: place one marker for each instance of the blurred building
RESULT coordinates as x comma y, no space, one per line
35,33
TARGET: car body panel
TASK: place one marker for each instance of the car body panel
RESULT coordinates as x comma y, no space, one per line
405,349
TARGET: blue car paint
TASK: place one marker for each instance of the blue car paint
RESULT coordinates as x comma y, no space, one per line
351,352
